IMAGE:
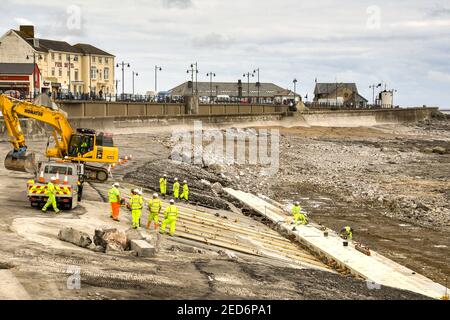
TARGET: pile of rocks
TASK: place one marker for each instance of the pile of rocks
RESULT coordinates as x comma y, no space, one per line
110,240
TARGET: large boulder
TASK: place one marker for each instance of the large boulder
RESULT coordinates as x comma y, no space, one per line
76,237
110,239
439,150
217,188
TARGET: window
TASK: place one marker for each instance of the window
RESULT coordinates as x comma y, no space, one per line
75,58
53,56
76,74
93,73
60,72
51,169
106,73
93,59
106,60
53,72
59,56
100,74
68,57
99,59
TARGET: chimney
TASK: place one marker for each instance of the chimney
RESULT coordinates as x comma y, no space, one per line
27,30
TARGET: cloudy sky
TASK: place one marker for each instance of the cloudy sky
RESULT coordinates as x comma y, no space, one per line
403,43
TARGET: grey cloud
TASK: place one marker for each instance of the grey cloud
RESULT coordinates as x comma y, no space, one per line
180,4
213,40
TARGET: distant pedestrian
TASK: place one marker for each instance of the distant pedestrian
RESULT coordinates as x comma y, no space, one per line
136,203
347,232
185,194
163,185
170,218
176,189
114,200
154,207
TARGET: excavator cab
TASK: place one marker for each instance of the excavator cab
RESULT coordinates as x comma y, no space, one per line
89,145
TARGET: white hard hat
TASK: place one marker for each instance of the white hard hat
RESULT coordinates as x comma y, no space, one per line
185,181
53,178
296,203
164,175
172,201
136,191
155,195
116,184
176,179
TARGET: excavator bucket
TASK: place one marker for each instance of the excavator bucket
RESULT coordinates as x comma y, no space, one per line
23,163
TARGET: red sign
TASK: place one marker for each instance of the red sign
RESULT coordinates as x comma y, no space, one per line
16,78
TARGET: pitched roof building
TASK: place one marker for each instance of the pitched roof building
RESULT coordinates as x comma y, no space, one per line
21,78
267,92
79,68
340,94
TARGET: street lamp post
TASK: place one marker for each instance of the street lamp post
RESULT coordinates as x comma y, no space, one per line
123,64
257,83
157,68
134,74
34,69
248,74
117,84
373,86
210,75
70,80
193,70
295,90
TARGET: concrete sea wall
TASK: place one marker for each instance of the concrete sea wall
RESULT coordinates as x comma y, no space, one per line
136,124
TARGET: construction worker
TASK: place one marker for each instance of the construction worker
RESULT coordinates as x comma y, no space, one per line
136,203
170,217
347,232
299,216
185,194
176,189
154,207
50,192
114,200
163,185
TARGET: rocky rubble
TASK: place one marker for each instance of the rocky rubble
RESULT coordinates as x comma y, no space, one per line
396,175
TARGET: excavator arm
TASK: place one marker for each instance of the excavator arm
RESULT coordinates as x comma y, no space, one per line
12,109
82,146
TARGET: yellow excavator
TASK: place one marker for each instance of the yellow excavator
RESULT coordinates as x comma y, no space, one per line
83,146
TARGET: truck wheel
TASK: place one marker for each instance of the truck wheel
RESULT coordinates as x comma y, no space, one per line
102,176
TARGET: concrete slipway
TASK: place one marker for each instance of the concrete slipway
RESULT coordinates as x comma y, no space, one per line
375,268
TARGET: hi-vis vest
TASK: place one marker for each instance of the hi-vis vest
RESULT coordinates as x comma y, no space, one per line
136,202
171,211
296,210
113,194
154,205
